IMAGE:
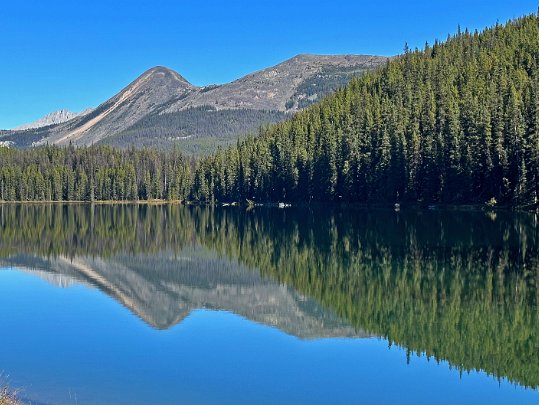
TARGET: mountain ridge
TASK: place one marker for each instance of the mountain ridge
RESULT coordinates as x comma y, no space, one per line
156,86
52,118
160,107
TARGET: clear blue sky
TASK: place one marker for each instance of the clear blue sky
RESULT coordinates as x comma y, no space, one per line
76,54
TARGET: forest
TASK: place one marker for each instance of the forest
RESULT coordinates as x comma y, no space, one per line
97,173
454,123
196,131
457,122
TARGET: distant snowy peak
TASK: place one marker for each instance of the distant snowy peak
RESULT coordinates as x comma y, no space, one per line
56,117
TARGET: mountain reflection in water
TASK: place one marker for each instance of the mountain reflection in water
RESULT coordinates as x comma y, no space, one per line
456,285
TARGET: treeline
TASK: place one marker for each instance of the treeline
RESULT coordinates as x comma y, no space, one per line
457,122
92,174
325,82
191,129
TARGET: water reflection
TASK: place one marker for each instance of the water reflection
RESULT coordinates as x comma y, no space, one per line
458,286
163,289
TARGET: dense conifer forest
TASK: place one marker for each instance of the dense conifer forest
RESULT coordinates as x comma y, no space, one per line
456,122
197,131
92,174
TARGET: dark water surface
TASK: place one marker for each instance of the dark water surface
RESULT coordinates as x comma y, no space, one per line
172,305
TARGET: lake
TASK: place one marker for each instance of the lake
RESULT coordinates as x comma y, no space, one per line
167,304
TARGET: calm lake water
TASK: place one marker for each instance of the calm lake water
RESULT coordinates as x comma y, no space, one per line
180,305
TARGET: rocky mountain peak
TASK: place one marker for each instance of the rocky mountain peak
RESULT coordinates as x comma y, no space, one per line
55,117
162,78
161,107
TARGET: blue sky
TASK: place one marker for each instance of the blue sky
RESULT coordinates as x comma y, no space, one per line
66,54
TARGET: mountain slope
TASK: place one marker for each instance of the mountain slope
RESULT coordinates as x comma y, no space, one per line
196,130
151,89
161,108
455,123
281,87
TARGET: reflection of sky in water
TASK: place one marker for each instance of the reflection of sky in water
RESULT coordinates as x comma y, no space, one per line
78,346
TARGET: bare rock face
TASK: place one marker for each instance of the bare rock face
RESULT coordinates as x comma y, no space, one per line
150,90
280,87
55,117
161,106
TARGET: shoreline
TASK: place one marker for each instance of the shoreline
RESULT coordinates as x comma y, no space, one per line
530,208
98,202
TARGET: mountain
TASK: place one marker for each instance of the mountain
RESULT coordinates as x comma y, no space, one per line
161,108
56,117
454,123
288,86
163,289
151,89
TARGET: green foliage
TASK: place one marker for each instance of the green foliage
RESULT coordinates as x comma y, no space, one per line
491,203
455,123
324,82
92,174
195,131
